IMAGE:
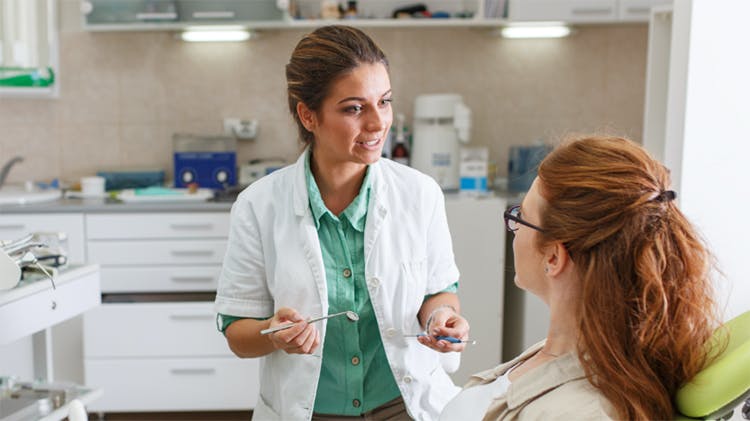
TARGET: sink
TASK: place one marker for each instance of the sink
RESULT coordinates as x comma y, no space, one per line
19,195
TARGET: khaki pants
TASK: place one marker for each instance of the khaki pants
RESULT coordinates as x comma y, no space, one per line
394,410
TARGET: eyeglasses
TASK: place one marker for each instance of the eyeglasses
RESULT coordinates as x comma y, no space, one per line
512,219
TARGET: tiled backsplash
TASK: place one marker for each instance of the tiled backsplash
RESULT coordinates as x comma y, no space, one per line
123,94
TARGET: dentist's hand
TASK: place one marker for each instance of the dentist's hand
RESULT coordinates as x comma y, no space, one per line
302,338
444,321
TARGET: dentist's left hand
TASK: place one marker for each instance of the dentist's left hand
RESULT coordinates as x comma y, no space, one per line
302,338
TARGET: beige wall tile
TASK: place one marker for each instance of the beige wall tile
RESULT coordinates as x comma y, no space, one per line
131,91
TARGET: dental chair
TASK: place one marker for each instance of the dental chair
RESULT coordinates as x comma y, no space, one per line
723,384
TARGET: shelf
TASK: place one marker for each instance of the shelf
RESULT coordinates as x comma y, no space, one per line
309,24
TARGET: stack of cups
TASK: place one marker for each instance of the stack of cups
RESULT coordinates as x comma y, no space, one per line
92,186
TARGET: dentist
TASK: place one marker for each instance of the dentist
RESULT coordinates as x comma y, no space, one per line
339,230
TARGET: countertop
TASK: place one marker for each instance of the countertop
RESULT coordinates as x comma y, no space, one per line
114,206
101,205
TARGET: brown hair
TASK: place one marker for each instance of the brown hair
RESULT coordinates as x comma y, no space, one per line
319,59
647,305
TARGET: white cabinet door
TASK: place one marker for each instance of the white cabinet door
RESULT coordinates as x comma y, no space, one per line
478,235
14,226
133,253
174,384
157,225
183,278
183,329
637,10
572,11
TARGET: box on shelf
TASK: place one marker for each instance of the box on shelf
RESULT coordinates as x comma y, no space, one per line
209,161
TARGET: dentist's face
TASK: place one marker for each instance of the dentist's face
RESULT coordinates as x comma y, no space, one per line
354,119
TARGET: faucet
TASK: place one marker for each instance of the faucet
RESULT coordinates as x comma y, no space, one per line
6,168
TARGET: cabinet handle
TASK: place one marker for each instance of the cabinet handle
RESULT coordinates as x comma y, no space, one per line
214,15
201,227
191,317
191,371
639,10
156,16
192,278
592,11
13,227
192,253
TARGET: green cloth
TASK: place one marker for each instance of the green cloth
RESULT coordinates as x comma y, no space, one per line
370,380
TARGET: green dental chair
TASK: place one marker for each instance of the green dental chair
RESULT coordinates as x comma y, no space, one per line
724,384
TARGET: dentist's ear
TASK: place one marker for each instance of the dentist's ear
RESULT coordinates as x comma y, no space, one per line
306,116
556,259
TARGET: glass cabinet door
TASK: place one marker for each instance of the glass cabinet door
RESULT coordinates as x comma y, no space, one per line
28,47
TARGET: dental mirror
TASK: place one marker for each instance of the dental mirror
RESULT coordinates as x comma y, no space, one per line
352,316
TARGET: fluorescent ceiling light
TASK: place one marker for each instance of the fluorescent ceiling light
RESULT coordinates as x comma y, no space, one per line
547,30
206,35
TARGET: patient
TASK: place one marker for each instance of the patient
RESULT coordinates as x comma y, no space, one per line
600,239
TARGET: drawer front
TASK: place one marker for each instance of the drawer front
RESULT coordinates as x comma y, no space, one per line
577,11
183,329
160,279
177,252
49,307
156,384
157,225
14,226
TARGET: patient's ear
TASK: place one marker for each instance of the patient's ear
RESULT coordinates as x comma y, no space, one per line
556,259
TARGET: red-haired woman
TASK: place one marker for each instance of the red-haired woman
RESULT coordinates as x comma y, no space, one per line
600,240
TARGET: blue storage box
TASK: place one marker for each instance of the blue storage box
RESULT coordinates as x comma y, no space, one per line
132,178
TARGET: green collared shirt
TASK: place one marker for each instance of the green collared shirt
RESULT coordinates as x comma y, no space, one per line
355,376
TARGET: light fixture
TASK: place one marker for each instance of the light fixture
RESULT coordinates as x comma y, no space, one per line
216,34
536,30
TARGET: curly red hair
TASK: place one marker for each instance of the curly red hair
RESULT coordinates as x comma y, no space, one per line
647,302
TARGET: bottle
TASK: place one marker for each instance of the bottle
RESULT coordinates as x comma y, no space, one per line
400,152
351,10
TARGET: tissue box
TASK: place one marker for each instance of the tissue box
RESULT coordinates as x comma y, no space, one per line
473,170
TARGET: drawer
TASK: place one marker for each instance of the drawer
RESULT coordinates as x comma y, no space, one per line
14,226
77,291
160,279
166,384
573,11
176,252
183,329
157,225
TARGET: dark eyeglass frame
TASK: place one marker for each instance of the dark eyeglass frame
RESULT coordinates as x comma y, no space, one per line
508,215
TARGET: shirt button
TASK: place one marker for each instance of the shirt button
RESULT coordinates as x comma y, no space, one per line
347,273
374,283
356,403
390,332
407,379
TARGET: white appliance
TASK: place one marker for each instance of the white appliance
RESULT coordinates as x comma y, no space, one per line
441,123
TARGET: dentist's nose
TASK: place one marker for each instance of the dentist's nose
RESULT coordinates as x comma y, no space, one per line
378,121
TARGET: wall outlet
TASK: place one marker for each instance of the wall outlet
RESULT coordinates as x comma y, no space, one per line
241,129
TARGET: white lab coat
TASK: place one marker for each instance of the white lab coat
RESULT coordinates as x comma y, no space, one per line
274,260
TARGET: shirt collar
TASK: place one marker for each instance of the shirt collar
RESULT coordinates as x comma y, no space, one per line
355,213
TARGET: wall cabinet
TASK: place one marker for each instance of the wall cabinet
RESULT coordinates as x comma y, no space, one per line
132,15
582,11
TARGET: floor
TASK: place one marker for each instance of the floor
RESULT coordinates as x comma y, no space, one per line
175,416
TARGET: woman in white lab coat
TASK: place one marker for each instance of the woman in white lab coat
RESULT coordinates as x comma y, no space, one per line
600,239
342,230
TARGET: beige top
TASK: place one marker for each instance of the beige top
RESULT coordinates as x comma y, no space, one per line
557,389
